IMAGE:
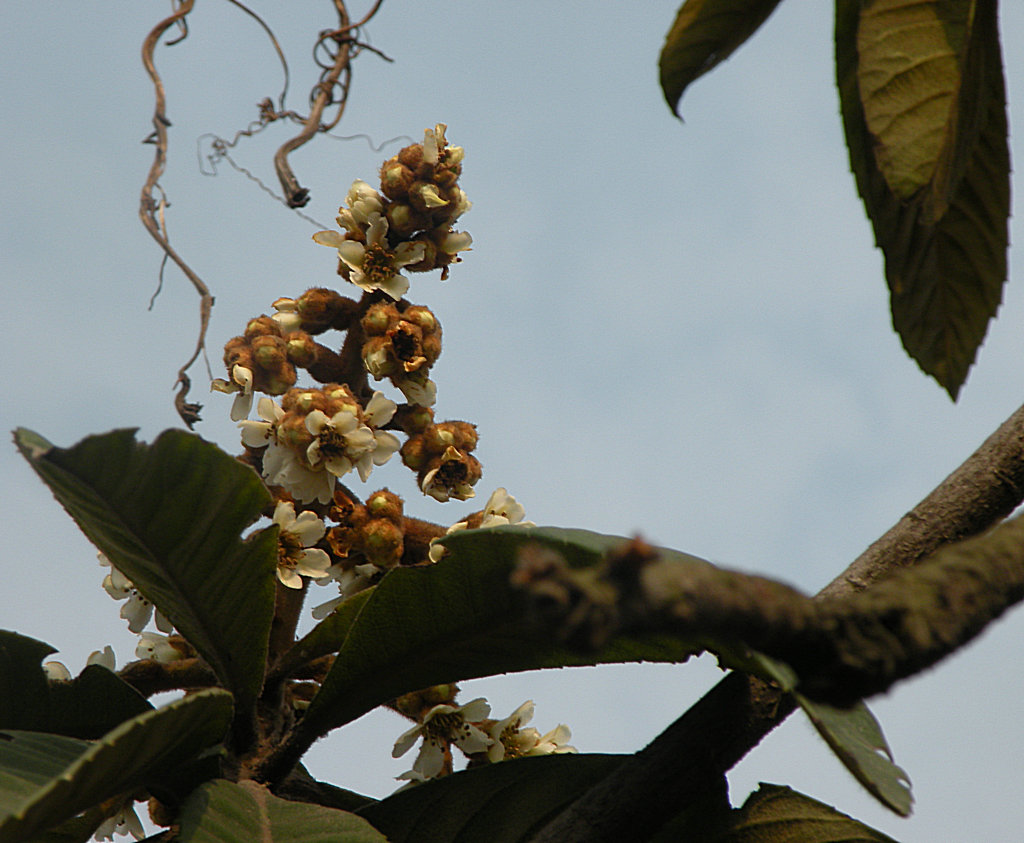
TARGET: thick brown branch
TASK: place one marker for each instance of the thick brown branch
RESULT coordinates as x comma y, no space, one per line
732,718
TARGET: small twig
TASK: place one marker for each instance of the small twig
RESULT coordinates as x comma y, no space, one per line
148,207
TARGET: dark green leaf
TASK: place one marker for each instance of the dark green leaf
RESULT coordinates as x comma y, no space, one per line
461,619
87,707
705,33
855,736
169,515
46,779
326,637
224,812
499,803
852,733
782,815
24,689
923,102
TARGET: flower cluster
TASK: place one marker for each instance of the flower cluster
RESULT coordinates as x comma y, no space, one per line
441,457
316,435
483,740
402,345
408,223
500,510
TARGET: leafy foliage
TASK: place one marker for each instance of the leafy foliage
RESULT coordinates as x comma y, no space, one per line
89,706
705,33
222,810
502,803
169,516
49,778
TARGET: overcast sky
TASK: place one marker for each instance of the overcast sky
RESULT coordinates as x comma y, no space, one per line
675,329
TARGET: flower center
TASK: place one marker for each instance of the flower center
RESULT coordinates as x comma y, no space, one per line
378,264
289,549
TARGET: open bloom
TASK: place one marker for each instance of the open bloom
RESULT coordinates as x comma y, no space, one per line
511,740
240,383
125,822
343,442
296,556
444,724
373,265
500,510
153,645
137,610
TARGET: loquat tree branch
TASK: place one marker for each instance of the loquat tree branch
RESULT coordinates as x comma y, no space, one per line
674,770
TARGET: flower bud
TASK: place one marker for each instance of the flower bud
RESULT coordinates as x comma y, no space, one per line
385,504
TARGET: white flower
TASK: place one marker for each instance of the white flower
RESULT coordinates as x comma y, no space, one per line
500,510
259,434
373,266
456,241
137,610
441,489
295,552
125,822
505,731
157,647
343,442
56,670
241,383
442,725
554,742
350,581
104,658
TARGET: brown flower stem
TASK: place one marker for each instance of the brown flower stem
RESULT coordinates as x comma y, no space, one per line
732,718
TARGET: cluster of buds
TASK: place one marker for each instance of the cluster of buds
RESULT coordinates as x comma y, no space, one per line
442,459
402,345
408,223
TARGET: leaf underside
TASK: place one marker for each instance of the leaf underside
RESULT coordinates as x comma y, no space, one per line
924,111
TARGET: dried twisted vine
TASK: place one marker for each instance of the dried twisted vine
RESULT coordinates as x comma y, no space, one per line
151,212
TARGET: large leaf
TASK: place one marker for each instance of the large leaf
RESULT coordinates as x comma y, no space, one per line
923,101
169,515
225,812
706,32
782,815
46,779
499,803
87,707
461,619
853,734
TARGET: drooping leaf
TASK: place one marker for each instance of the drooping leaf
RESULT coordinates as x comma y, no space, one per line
853,734
224,812
169,516
499,803
46,779
462,619
856,738
782,815
705,33
89,706
923,102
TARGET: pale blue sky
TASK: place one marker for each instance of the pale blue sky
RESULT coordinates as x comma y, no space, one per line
676,329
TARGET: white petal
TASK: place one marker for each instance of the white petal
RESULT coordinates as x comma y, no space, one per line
284,515
269,411
430,761
334,239
379,409
405,741
387,444
316,421
339,466
309,528
472,740
476,709
396,286
456,241
289,578
104,658
353,253
313,563
241,406
55,670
